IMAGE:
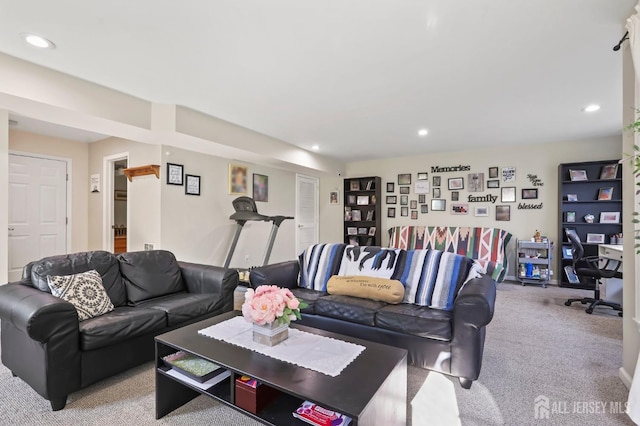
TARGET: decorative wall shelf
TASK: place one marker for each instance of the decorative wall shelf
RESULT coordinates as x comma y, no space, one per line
132,172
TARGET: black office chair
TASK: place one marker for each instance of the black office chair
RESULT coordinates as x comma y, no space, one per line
591,271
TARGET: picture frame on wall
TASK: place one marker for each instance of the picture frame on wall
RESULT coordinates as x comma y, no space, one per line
529,193
404,200
404,179
508,194
175,174
414,204
493,173
238,179
493,183
438,205
481,211
475,182
503,213
422,198
455,195
436,181
192,185
423,175
405,189
260,187
334,197
404,211
424,208
390,186
414,214
391,212
456,183
392,199
436,192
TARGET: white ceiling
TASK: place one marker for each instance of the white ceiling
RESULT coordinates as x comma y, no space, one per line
358,77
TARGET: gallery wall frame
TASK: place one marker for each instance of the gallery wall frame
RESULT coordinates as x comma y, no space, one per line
529,193
175,174
503,213
261,187
438,205
456,183
390,186
404,179
508,194
192,184
237,179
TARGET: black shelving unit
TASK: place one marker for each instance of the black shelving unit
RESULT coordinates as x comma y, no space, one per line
579,187
362,212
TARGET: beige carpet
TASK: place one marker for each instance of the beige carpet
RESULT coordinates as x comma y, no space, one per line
535,347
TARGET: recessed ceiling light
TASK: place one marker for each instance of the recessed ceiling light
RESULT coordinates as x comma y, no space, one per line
315,147
591,108
423,132
38,41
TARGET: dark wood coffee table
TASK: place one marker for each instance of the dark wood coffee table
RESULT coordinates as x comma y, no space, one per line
371,390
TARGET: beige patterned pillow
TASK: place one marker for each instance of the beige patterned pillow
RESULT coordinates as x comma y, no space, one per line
84,291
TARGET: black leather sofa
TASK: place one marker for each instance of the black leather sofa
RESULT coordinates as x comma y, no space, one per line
45,344
450,342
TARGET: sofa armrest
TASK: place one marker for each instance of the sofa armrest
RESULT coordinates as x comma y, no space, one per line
38,314
210,279
475,302
283,274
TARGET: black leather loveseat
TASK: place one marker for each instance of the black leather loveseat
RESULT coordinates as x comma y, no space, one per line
449,341
45,344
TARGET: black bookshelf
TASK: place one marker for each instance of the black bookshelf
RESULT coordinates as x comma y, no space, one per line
362,212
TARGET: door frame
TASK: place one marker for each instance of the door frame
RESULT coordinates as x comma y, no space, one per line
317,203
69,191
107,199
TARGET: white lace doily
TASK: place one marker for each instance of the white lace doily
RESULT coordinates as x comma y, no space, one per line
319,353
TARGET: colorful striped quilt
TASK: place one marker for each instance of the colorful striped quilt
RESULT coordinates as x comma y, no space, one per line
487,246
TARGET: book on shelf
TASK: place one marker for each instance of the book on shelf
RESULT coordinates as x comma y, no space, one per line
200,385
316,415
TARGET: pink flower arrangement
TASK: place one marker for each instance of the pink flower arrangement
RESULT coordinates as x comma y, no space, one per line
269,303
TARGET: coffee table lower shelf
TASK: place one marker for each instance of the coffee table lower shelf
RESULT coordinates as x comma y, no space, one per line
171,393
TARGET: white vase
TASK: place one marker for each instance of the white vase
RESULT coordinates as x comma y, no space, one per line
270,334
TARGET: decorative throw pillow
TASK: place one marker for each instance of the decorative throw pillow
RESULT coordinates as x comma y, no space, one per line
84,291
318,263
372,261
384,290
433,277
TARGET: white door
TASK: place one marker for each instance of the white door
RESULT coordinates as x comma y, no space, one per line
37,210
306,212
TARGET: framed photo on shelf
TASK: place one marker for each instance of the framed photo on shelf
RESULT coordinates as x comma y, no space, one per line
456,183
351,199
391,212
567,252
423,176
404,211
493,173
570,217
508,194
424,208
529,194
370,215
438,205
363,200
390,186
609,171
354,185
362,231
404,179
192,186
503,213
609,217
605,194
347,214
356,215
372,231
392,199
493,184
575,175
595,238
481,211
174,174
352,230
572,197
405,189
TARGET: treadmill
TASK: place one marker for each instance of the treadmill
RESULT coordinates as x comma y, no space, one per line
246,210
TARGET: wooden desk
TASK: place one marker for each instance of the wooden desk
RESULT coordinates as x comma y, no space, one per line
612,287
